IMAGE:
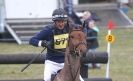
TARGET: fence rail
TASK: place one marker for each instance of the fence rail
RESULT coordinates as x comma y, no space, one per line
98,57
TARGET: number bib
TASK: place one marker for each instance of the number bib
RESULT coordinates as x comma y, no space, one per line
60,41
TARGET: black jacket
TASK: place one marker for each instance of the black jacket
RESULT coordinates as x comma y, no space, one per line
92,41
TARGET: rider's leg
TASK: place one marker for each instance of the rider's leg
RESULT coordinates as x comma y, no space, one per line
81,79
51,68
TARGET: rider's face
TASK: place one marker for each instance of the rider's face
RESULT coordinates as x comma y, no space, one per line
60,24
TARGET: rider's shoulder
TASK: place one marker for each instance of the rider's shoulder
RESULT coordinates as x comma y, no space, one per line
48,27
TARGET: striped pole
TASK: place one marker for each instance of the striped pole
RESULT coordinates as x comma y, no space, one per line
110,39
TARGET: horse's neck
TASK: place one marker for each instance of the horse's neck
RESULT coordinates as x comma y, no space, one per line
72,64
71,58
71,69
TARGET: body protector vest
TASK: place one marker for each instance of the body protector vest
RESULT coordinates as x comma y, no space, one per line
59,39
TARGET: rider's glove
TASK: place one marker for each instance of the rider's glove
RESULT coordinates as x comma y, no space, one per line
44,44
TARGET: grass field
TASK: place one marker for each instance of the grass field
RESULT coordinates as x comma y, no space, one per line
121,65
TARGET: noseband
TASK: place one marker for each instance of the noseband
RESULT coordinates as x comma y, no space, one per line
75,50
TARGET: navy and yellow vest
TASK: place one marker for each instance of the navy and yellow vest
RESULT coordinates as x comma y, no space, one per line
57,39
58,44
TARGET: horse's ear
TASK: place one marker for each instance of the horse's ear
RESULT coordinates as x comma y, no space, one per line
78,27
81,27
75,27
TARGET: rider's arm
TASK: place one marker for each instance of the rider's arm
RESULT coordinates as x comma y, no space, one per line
37,39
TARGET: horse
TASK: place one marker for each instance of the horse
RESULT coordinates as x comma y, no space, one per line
75,49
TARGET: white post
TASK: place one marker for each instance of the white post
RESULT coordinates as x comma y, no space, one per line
2,16
108,51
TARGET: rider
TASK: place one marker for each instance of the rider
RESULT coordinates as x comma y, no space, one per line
57,34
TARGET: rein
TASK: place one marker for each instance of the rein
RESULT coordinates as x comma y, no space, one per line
75,51
55,50
73,77
80,44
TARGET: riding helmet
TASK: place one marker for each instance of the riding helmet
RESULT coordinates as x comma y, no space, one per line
59,14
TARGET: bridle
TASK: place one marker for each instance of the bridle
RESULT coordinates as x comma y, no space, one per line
75,51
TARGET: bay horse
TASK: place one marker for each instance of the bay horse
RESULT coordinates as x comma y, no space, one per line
76,47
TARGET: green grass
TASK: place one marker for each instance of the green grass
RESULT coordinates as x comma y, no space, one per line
8,71
120,60
8,48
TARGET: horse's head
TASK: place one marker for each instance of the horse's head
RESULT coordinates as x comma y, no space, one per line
77,40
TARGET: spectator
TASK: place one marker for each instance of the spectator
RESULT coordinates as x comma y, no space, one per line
123,5
86,15
68,7
91,31
92,41
85,19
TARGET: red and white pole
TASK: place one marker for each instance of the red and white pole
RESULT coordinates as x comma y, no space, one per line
110,39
